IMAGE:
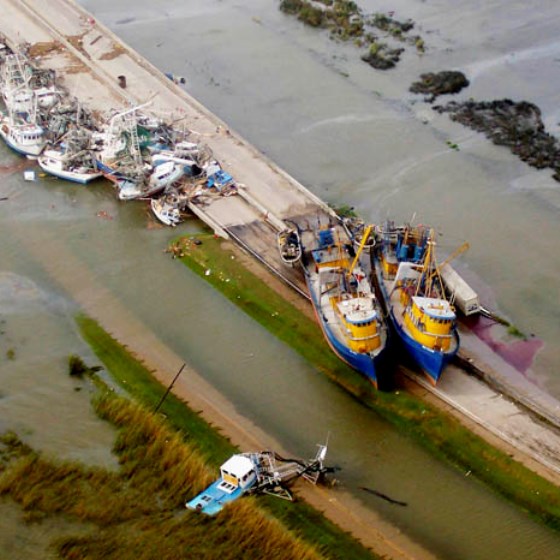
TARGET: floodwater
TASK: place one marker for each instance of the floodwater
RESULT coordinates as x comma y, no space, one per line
352,135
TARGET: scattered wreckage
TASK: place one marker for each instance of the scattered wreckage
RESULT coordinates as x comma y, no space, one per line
144,156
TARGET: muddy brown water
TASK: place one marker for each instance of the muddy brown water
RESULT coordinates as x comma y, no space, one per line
357,139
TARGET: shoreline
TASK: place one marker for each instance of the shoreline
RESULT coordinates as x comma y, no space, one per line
241,217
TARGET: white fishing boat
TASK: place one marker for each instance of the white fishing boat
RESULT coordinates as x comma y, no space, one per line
26,138
46,97
162,176
289,246
70,168
190,166
120,157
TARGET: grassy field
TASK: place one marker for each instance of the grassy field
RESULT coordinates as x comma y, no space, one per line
298,518
138,512
442,434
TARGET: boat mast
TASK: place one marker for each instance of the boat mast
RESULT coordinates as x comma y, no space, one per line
365,237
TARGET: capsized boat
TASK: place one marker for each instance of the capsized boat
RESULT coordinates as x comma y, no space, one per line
289,245
162,176
422,317
345,305
169,208
262,472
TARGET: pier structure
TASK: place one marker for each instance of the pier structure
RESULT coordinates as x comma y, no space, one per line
95,65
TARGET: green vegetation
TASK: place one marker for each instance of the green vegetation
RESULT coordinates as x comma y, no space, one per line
304,521
139,382
514,331
346,22
344,211
442,434
11,354
138,512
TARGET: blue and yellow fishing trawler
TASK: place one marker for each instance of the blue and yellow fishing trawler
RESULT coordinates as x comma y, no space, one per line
345,305
422,317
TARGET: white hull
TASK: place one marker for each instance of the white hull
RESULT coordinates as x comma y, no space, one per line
165,212
25,148
74,176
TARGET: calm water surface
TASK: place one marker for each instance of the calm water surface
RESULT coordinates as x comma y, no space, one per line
355,138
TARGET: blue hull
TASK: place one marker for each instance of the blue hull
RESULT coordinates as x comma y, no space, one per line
430,361
109,172
213,500
364,363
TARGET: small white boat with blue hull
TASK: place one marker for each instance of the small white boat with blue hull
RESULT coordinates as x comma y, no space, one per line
262,472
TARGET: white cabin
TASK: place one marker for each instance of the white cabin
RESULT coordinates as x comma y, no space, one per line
237,472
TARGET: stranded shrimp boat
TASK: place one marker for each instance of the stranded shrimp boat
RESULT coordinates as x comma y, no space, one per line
423,319
71,158
345,305
79,168
21,133
262,472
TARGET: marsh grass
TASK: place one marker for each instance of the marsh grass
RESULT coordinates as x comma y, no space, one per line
134,377
437,431
138,512
300,518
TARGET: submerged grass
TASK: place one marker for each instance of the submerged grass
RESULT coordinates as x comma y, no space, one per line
301,519
439,432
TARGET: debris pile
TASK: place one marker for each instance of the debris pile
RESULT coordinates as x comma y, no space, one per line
142,154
